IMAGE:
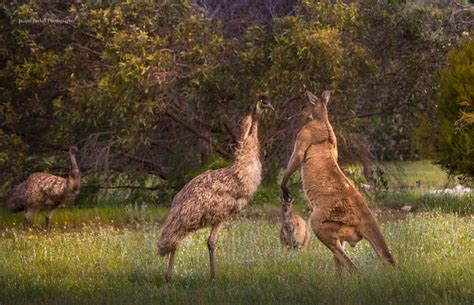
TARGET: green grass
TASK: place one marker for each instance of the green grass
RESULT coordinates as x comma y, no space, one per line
107,265
83,216
107,254
446,203
405,175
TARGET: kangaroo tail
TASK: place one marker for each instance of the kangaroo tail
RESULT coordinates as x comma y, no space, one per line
372,233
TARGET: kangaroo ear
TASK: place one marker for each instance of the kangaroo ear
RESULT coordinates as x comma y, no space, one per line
325,96
312,99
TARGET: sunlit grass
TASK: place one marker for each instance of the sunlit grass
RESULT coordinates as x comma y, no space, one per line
107,254
422,201
99,215
120,266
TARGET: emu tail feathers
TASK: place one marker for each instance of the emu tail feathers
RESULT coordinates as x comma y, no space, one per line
14,206
171,235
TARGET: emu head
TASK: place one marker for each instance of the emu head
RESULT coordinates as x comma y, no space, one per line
318,105
286,205
263,102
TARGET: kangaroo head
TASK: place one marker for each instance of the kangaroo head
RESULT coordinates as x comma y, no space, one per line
318,105
286,205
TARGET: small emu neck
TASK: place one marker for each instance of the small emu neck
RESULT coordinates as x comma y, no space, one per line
74,172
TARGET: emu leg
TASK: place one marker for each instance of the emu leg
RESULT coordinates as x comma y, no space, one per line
169,269
211,245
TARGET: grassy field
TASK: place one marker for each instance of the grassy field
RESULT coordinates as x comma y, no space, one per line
120,266
108,255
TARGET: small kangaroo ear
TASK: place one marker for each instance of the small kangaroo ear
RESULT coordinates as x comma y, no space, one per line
283,201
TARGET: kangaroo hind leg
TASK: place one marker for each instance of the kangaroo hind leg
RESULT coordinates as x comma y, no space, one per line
327,233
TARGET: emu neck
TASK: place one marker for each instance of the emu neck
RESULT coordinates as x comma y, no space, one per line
247,163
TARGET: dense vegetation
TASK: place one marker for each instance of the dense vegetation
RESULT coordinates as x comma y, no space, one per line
153,93
456,112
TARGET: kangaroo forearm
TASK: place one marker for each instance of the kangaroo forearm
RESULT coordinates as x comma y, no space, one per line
295,162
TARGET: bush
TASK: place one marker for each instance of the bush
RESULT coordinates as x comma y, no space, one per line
455,150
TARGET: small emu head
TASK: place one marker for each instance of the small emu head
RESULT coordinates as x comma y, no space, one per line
286,205
263,102
73,150
318,104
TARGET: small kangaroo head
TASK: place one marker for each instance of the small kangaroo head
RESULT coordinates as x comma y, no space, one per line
286,205
318,105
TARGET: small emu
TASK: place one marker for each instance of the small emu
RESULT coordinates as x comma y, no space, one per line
340,213
212,197
43,191
294,232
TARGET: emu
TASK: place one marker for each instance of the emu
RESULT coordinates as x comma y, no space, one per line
212,197
43,191
340,213
294,232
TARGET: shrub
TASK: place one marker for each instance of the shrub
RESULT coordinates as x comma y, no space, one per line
455,150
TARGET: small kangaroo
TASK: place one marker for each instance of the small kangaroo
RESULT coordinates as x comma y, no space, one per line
294,232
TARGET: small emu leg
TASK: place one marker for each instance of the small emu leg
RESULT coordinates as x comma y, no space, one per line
169,269
211,245
27,217
49,214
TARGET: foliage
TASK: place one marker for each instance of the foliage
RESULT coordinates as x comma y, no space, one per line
455,150
103,79
155,89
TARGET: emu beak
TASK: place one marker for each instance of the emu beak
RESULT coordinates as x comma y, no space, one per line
271,107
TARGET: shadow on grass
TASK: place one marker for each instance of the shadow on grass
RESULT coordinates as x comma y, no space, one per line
376,285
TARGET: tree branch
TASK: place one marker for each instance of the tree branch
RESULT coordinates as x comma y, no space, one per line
201,136
154,165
